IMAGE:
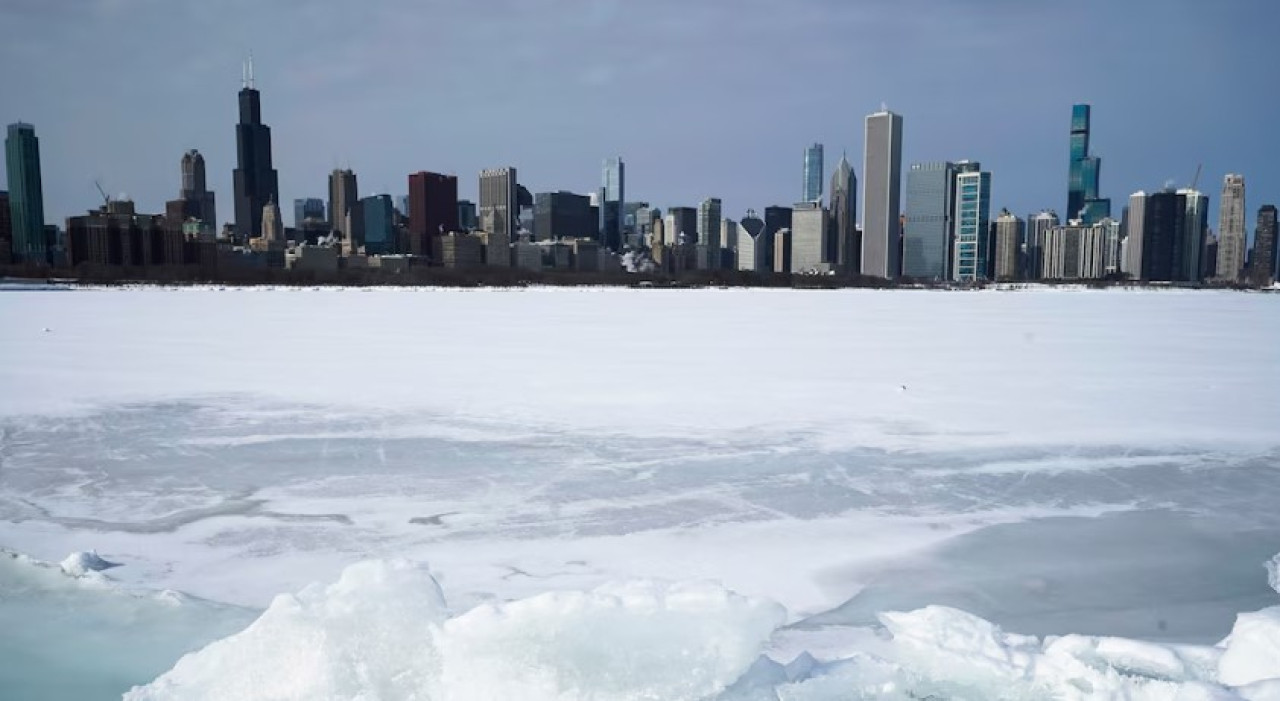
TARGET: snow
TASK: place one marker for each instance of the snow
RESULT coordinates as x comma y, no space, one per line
1252,651
81,563
1090,469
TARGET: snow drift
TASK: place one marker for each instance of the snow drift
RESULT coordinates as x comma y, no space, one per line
383,631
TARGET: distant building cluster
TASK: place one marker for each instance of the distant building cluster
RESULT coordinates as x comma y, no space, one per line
940,230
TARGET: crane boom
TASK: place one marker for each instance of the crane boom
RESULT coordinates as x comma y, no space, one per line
106,199
1196,180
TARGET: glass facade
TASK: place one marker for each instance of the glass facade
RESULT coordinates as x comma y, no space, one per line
1085,171
972,223
379,231
308,208
813,170
26,194
927,236
613,196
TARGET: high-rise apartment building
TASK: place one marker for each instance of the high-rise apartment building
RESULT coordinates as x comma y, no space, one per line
26,194
1190,259
1264,267
1038,226
613,193
255,180
813,174
928,233
1231,229
882,183
972,222
1008,240
845,246
1135,234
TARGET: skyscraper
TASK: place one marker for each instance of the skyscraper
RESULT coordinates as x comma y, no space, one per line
195,192
1038,227
813,174
844,217
1266,248
882,189
272,223
709,212
1231,229
1135,234
1083,201
972,222
927,237
26,194
433,210
613,197
379,230
308,208
563,215
809,222
1009,229
6,229
499,209
1189,259
343,195
255,180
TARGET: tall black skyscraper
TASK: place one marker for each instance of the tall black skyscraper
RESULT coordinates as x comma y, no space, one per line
255,180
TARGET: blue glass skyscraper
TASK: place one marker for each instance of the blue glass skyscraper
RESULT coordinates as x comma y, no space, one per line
813,170
1083,201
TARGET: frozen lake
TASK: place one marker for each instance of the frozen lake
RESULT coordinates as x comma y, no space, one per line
1054,461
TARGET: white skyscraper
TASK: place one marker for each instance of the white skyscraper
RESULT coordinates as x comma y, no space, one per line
1134,234
809,238
881,195
1231,228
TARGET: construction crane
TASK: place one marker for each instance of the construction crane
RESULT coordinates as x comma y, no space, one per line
106,199
1196,180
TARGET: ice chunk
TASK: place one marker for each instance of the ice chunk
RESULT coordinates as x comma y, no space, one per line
634,641
383,632
368,635
1273,572
82,563
1253,650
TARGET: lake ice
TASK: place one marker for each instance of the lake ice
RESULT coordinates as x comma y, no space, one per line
1052,461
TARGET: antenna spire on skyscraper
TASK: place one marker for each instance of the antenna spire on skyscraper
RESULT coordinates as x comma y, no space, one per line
250,85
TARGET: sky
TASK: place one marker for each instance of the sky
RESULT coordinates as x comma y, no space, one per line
701,98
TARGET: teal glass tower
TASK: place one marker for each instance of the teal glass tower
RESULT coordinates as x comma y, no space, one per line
813,170
1083,201
26,194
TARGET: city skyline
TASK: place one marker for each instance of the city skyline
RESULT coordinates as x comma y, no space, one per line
673,161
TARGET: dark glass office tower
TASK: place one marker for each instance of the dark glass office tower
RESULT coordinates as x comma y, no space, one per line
26,194
613,194
1266,248
255,180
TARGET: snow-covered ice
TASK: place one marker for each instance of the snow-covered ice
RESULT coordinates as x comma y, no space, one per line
1103,464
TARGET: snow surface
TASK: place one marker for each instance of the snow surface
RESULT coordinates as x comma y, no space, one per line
1060,461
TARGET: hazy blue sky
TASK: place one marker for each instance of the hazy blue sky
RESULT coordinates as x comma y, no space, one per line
700,98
